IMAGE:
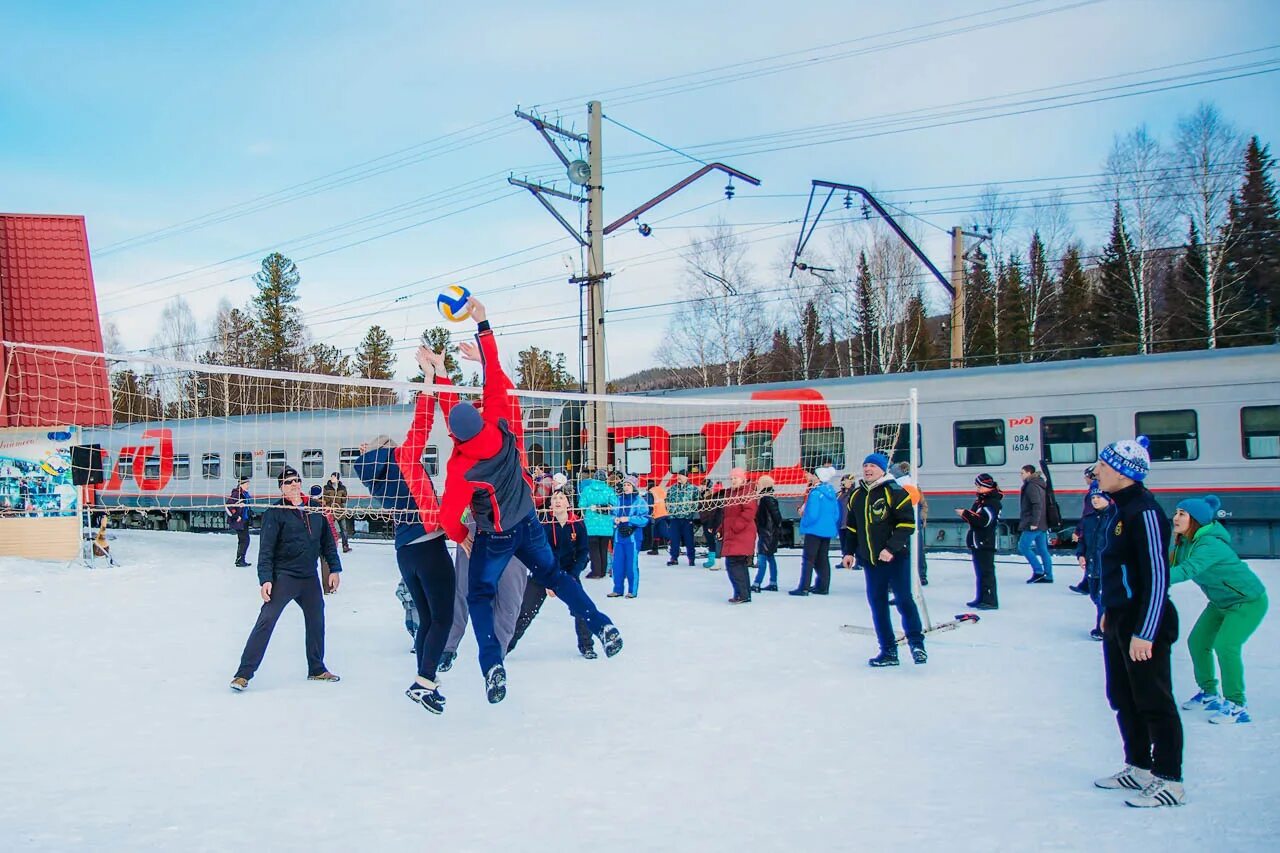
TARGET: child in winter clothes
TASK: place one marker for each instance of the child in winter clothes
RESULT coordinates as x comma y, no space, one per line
1237,602
629,518
983,518
1091,528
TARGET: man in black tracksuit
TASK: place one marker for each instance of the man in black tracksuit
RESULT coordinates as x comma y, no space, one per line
1139,625
877,536
294,536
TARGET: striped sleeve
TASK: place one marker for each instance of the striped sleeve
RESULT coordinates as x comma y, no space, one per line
1152,555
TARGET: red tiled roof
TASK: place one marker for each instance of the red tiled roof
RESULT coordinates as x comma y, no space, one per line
47,297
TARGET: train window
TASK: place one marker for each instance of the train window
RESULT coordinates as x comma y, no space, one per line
431,461
211,466
313,463
1260,432
151,467
124,464
688,451
753,450
636,455
537,417
894,440
824,444
979,443
242,464
276,460
1173,434
182,467
347,457
1070,438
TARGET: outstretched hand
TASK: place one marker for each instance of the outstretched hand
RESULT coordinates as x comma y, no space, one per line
431,362
469,351
476,308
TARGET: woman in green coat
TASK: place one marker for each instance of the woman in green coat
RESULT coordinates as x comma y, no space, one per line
1202,553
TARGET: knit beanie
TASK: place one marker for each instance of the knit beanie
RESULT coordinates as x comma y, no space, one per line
825,474
877,459
986,481
1128,457
465,422
1204,510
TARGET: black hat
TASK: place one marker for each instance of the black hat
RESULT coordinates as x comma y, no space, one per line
285,473
243,479
986,481
336,474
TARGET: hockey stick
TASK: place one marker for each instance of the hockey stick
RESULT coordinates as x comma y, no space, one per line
961,618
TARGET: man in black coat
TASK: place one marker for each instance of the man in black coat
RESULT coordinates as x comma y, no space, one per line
294,536
238,518
1033,525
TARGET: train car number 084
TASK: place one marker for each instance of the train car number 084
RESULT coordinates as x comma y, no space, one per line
1023,444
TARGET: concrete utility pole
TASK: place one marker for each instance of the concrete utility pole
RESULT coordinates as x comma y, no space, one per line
957,297
598,423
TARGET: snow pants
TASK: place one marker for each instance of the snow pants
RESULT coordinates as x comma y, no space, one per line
427,571
894,575
737,571
284,589
680,531
626,563
490,555
1141,692
535,595
984,573
1223,632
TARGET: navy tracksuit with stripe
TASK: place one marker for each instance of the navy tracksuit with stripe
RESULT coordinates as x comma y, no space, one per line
1135,595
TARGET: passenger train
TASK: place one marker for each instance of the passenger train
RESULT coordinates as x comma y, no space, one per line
1213,418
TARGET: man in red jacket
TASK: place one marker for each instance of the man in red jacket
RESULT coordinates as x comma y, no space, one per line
487,474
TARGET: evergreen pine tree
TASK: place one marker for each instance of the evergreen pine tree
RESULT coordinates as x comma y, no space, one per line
1185,318
436,339
1011,296
979,311
542,370
1115,304
376,359
919,342
781,362
1073,330
1041,297
1253,256
868,320
277,329
809,342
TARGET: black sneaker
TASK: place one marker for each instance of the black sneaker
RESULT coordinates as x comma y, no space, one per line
773,587
1034,579
611,637
919,655
885,659
427,697
1079,588
973,603
446,661
1096,634
755,587
588,653
673,562
983,605
1043,579
495,684
798,592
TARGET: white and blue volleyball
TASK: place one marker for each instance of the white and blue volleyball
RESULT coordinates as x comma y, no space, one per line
452,303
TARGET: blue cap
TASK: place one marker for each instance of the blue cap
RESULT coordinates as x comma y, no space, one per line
878,459
1129,457
465,422
1203,510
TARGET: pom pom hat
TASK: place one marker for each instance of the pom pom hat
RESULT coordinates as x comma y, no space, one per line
1203,510
1128,457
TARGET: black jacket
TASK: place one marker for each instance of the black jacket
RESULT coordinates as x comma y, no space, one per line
1033,506
768,522
569,543
880,517
1134,569
983,518
293,539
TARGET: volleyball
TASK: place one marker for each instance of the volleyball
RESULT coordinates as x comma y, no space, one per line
452,303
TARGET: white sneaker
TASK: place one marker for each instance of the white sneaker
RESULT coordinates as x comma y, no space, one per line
1133,778
1203,701
1159,792
1230,712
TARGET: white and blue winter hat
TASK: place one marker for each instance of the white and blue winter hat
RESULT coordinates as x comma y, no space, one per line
1128,457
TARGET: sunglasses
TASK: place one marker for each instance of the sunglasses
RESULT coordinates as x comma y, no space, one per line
292,481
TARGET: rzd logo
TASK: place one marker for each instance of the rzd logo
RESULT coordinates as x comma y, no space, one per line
1026,420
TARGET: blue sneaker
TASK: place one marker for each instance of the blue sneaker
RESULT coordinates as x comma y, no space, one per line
1231,713
1203,701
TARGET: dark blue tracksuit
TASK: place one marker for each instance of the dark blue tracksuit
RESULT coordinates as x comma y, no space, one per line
569,544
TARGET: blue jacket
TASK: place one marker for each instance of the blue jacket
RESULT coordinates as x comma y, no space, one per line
238,512
633,507
569,543
380,473
293,540
821,512
597,493
1090,543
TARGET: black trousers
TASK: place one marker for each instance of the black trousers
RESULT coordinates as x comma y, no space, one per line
680,532
815,563
598,551
242,544
922,561
427,570
984,573
535,594
1141,692
284,589
739,577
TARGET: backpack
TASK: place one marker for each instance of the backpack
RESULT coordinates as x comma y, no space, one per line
1052,512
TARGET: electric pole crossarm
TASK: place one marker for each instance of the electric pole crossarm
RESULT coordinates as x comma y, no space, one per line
538,191
668,193
805,235
884,214
543,128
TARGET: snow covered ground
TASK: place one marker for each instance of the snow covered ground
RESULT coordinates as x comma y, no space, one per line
717,728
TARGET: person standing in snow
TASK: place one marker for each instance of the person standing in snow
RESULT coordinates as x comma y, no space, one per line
1202,554
238,518
740,505
596,500
768,531
1139,626
1091,530
1033,525
629,519
316,495
877,536
486,475
682,512
983,519
292,541
335,500
711,514
818,527
658,512
1090,486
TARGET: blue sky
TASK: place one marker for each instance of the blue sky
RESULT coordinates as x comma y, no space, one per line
143,115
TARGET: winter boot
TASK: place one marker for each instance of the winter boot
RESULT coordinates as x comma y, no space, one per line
798,592
588,652
919,655
1230,712
673,562
885,658
446,661
612,640
755,587
1159,792
1133,778
773,587
1203,701
324,676
238,684
495,684
427,694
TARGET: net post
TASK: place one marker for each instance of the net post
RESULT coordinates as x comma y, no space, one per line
913,457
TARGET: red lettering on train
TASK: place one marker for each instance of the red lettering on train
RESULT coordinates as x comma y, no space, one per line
138,454
1026,420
